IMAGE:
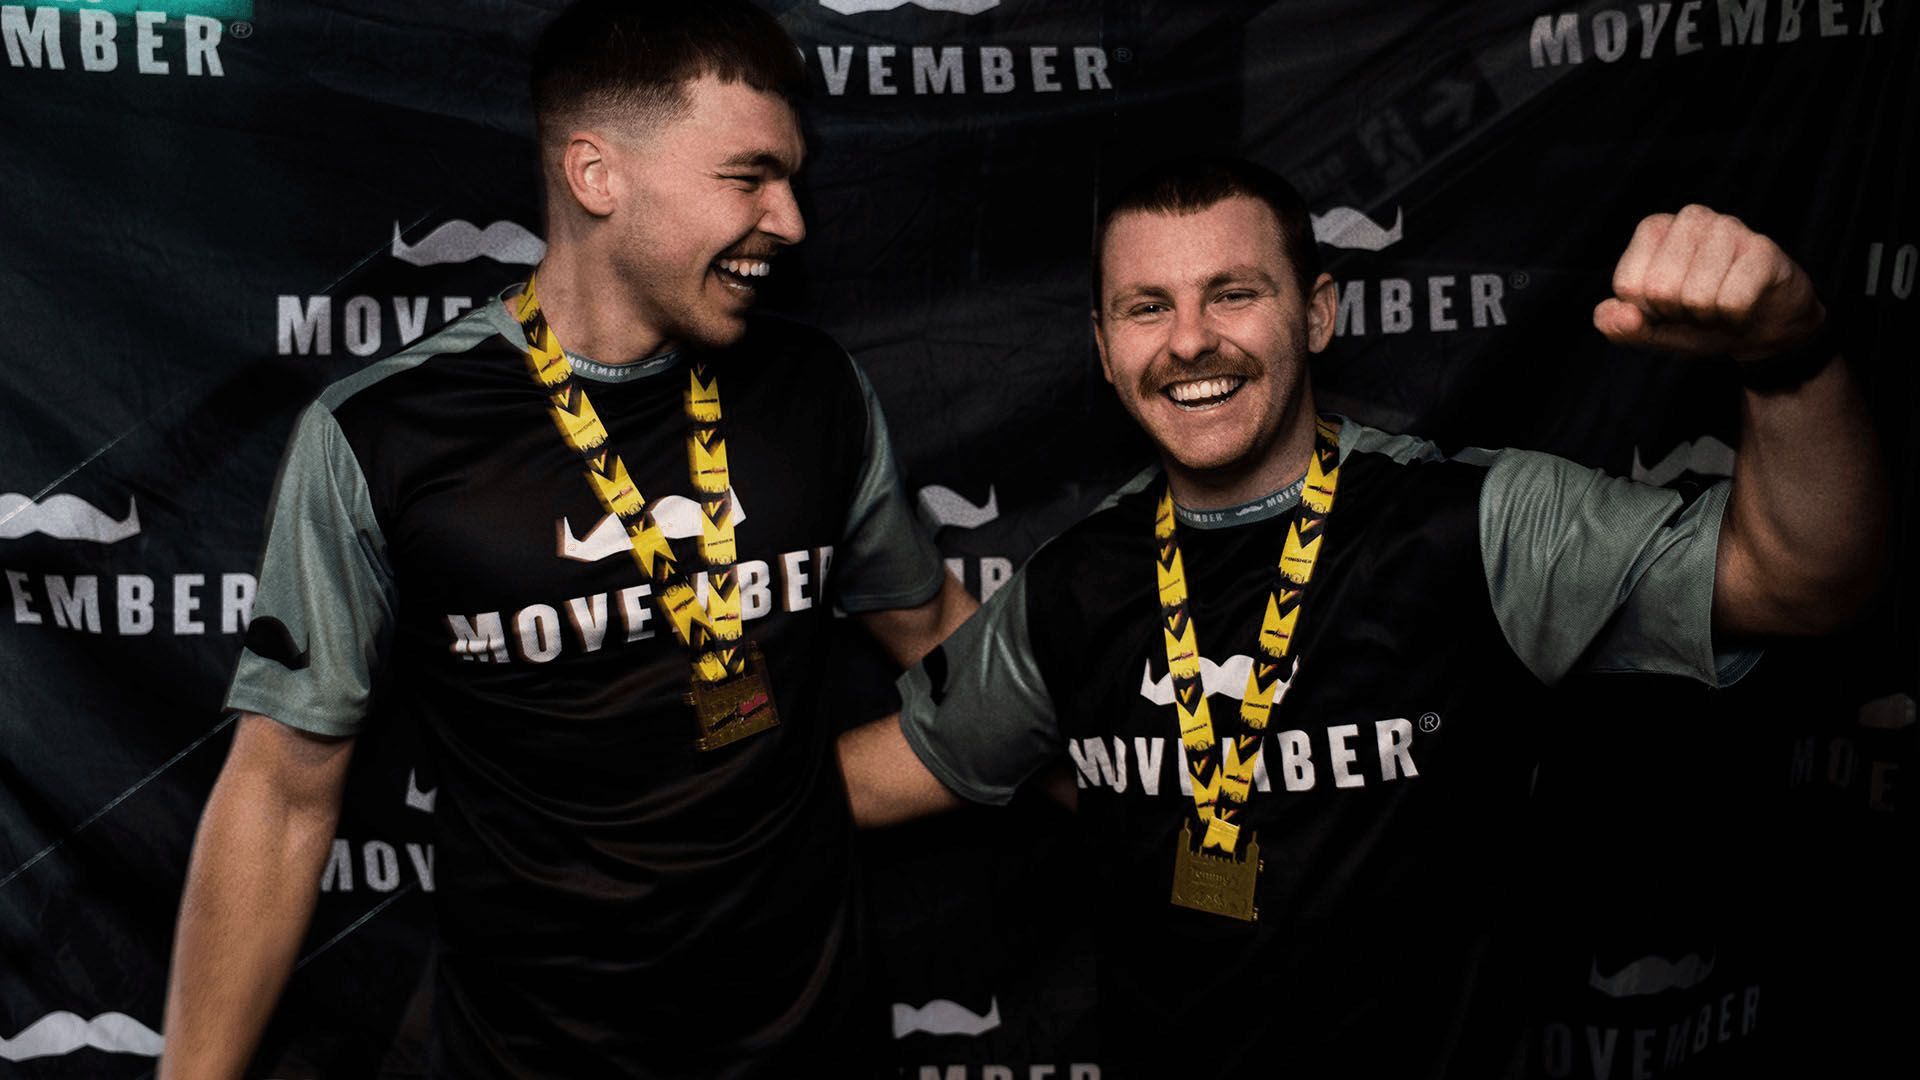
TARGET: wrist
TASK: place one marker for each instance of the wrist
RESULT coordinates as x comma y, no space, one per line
1795,366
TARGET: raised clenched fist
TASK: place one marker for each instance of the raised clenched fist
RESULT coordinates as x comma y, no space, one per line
1702,283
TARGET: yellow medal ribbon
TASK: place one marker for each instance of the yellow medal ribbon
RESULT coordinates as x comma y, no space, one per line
1221,787
712,631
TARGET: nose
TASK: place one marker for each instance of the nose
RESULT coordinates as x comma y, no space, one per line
1192,335
780,213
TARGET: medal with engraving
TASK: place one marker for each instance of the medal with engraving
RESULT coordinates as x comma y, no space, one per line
1221,885
1220,874
730,695
735,708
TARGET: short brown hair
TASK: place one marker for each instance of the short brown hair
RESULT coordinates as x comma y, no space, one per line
633,58
1190,184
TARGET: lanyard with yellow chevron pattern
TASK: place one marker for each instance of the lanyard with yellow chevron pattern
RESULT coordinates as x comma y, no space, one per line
730,694
1218,877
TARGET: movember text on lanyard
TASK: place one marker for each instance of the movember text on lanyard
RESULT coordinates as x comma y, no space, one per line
730,696
1218,878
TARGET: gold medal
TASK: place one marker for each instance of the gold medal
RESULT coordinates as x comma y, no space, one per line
1216,884
734,708
730,695
1209,876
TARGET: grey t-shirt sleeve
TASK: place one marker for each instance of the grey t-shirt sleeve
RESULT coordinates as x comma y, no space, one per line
1600,573
976,709
324,608
885,559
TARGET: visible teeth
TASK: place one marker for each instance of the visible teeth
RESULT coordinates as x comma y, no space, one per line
1200,389
746,267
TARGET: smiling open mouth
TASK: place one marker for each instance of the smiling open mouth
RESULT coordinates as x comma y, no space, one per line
741,274
1203,393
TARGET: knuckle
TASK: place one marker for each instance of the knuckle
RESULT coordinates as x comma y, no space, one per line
1700,306
1759,247
1663,280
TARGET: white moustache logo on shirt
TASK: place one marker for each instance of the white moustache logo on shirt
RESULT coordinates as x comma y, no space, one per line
677,516
943,1017
64,517
1651,974
945,506
1705,456
1229,678
1345,227
60,1033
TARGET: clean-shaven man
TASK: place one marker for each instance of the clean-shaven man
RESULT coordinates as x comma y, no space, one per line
591,536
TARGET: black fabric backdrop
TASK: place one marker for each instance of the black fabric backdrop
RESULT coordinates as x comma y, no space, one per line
214,208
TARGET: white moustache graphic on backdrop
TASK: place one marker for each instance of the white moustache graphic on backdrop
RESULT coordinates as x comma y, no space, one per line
1651,974
945,506
943,1017
60,1033
1228,677
1345,227
461,241
421,800
677,516
861,7
1890,713
64,517
1705,456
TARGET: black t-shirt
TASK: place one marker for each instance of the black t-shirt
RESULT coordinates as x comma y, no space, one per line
1395,769
612,900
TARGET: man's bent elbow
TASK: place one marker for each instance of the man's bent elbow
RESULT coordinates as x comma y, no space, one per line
1807,604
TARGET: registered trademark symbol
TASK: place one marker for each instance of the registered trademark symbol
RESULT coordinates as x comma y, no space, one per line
1123,54
1519,279
241,30
1430,722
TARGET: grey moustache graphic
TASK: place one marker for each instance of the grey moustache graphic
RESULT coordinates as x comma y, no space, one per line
945,506
60,1033
1345,227
64,517
460,241
1651,974
943,1017
860,7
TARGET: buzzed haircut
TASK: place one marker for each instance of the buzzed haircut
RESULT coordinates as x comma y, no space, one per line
1189,185
631,60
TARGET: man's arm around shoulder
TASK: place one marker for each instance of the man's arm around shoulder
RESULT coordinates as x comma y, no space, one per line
251,889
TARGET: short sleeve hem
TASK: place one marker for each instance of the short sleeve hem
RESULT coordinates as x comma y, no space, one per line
912,727
247,701
924,591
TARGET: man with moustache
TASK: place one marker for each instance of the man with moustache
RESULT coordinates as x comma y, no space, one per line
591,535
1308,879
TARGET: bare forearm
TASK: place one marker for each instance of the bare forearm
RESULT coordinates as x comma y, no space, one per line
907,634
886,782
1801,542
1807,515
251,889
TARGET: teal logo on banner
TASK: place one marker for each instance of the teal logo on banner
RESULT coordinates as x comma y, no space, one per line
216,9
